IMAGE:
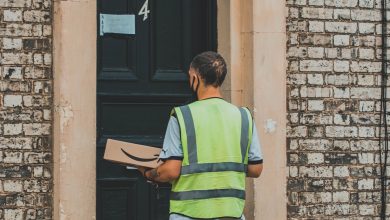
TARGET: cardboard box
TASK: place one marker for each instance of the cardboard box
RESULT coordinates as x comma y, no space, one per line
131,154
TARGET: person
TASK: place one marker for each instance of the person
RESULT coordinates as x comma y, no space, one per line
210,146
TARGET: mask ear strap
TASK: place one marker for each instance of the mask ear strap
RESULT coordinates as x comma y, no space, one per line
193,82
197,86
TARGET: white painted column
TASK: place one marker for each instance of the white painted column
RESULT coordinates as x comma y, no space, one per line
270,106
75,109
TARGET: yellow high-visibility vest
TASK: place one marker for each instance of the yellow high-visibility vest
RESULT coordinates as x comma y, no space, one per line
215,136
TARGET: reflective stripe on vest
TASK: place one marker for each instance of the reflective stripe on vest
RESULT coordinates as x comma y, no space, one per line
213,167
190,130
205,194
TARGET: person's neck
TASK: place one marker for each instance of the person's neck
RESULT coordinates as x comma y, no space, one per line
209,92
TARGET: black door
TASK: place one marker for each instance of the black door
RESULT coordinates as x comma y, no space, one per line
140,78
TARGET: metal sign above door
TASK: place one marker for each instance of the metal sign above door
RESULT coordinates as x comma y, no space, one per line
117,24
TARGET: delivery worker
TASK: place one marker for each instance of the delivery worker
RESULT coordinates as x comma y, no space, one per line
210,146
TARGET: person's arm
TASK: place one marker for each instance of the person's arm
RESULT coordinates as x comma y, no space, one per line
166,172
255,156
254,170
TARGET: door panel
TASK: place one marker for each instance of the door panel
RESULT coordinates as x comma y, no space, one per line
139,79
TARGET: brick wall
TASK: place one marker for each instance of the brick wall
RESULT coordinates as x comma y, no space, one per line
333,79
25,109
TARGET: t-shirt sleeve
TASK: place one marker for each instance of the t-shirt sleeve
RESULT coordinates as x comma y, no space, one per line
172,149
255,155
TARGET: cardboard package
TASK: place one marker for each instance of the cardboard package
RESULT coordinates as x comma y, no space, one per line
131,154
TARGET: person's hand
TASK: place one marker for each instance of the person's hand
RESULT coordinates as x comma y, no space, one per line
141,169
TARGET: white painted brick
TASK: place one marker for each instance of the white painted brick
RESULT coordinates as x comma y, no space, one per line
315,105
315,79
296,2
341,171
47,114
341,66
36,16
316,197
38,58
323,92
293,145
366,106
366,132
342,145
316,52
13,214
366,53
12,129
366,209
364,145
36,129
296,79
317,13
366,3
342,14
341,27
341,131
341,119
12,72
297,25
341,196
315,65
16,58
342,92
347,53
316,2
38,171
366,67
365,93
293,38
12,100
293,66
297,52
365,184
47,59
294,13
316,26
331,52
13,157
294,118
11,43
12,15
12,186
315,158
47,30
297,131
294,92
293,171
363,41
317,172
366,158
365,15
366,28
341,3
366,80
341,40
338,80
315,144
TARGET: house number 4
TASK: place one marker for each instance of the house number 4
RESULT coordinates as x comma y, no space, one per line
144,10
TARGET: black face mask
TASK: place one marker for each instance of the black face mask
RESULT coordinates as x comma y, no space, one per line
194,91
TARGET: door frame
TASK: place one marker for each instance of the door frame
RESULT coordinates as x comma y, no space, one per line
247,32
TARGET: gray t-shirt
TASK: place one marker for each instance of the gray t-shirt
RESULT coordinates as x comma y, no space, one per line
172,149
